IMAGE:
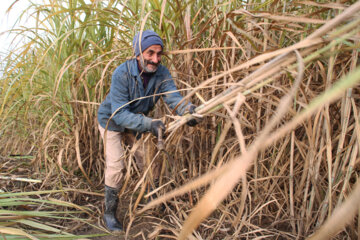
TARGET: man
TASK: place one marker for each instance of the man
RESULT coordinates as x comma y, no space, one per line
124,114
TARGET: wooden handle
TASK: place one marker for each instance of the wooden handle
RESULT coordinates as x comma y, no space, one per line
160,143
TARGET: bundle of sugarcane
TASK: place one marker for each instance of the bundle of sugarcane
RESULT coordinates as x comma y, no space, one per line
292,61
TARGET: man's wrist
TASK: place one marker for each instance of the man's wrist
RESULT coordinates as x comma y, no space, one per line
147,123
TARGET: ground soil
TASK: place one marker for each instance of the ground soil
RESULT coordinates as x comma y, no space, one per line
139,230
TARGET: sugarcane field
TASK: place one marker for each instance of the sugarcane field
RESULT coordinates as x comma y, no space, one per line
168,119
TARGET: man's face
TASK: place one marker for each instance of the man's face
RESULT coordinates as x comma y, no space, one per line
150,59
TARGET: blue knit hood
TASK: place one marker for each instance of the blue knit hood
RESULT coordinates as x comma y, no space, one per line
148,38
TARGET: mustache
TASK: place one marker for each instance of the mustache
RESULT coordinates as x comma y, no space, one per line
151,62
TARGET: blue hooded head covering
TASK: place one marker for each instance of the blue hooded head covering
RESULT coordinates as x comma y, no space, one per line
148,38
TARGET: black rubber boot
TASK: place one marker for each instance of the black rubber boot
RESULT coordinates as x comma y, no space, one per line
111,204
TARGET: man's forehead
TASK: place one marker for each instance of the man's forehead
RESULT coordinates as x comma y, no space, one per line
154,48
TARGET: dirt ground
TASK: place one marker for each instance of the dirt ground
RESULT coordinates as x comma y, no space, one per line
139,230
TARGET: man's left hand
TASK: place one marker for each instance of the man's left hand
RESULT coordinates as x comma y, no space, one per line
192,122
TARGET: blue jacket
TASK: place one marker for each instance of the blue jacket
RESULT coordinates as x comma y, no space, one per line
126,87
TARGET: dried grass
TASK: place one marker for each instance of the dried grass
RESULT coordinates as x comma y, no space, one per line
265,161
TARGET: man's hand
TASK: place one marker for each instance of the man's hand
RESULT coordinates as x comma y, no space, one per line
192,122
157,125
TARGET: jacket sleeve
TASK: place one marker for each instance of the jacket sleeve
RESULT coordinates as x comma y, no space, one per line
120,98
173,97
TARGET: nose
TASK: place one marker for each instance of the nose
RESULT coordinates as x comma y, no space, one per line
155,58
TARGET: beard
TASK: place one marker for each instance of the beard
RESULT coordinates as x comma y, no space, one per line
144,65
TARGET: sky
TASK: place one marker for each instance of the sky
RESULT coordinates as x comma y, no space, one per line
7,21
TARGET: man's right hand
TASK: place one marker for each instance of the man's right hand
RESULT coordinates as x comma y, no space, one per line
156,125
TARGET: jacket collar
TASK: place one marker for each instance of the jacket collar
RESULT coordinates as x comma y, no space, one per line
133,67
